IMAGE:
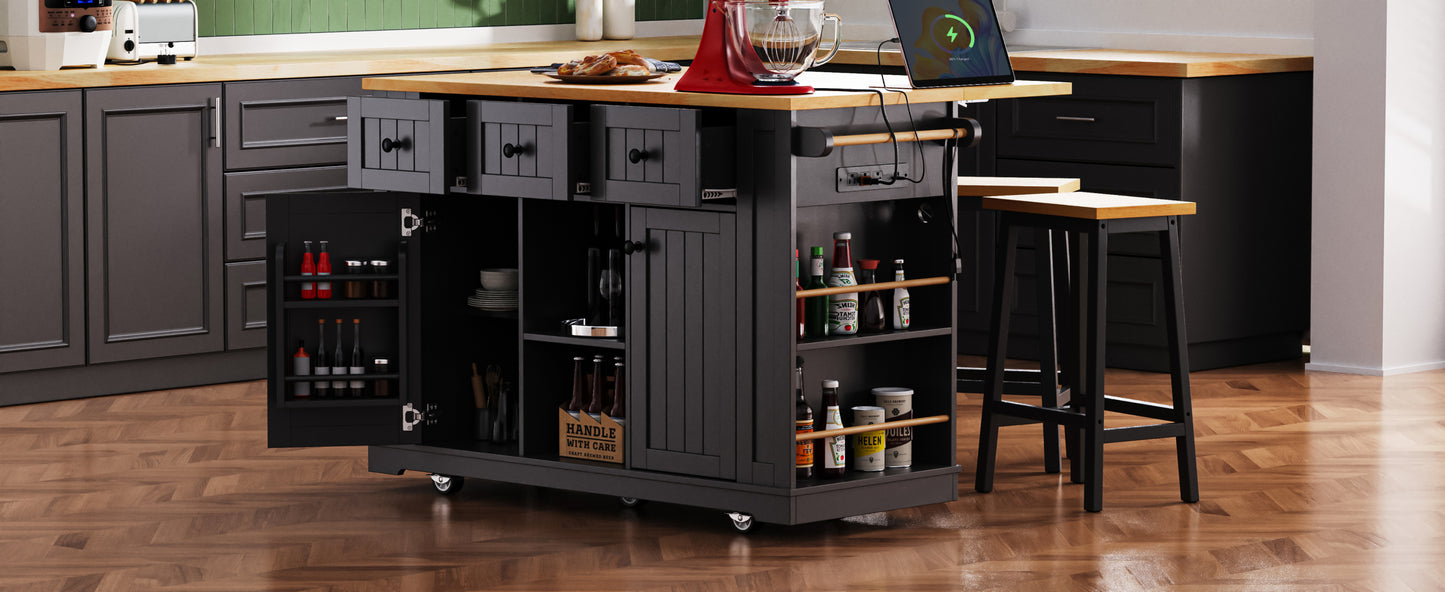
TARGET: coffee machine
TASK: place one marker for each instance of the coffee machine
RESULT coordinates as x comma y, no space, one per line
51,34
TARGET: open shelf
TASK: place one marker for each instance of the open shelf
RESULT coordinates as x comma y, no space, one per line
598,342
346,277
330,377
916,332
342,401
490,314
340,303
863,478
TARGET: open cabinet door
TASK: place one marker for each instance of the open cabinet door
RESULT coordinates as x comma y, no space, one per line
378,400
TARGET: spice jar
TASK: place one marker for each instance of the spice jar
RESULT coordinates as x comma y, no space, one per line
380,288
354,288
381,387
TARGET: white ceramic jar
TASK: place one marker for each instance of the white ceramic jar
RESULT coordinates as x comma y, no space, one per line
619,19
589,20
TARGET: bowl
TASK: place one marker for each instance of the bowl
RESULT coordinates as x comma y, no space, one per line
775,40
499,279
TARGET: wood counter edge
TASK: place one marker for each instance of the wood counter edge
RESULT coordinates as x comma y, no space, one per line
1120,62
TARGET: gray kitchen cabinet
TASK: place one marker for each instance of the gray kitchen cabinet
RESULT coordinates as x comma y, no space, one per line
245,305
287,123
246,203
153,222
682,331
42,254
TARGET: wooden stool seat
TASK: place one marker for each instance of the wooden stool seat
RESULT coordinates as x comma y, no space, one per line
1087,219
986,186
1088,206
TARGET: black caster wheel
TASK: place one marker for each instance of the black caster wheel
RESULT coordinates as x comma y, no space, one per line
630,502
742,522
447,484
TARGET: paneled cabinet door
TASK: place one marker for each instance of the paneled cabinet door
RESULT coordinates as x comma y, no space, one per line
153,213
682,335
42,253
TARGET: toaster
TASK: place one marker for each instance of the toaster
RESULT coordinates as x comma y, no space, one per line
146,31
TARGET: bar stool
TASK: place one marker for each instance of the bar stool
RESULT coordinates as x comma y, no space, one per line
1050,382
1090,218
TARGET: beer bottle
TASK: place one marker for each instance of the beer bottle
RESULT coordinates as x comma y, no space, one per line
579,388
835,448
815,310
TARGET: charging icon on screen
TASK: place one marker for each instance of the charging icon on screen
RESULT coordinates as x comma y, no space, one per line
953,33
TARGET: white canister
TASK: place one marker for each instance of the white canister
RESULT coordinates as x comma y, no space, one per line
589,20
619,19
897,404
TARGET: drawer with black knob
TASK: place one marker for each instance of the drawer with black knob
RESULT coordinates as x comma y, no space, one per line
661,156
534,150
396,144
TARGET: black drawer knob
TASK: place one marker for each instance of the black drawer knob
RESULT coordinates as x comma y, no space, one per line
630,247
636,156
508,150
387,144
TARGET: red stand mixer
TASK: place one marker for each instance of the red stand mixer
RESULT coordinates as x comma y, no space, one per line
758,46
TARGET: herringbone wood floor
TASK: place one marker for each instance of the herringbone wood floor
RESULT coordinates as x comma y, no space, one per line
1310,481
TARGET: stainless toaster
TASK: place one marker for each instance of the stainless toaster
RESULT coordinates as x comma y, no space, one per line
145,31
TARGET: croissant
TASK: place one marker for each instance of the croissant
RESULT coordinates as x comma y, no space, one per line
597,65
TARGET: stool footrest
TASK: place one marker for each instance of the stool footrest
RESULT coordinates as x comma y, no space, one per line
1032,414
1140,408
1144,432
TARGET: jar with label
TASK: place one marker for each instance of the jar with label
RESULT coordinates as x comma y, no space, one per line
354,288
842,308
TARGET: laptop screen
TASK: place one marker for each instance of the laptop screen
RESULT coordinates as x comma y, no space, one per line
951,42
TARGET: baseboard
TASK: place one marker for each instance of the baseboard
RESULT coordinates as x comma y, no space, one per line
78,382
1374,371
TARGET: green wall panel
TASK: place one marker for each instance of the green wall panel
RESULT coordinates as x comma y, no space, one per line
217,18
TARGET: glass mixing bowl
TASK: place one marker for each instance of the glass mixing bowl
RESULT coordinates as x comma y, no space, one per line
775,40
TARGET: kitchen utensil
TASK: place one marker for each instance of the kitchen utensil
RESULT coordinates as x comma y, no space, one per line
758,46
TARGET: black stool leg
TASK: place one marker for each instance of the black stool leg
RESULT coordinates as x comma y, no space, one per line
1048,358
1064,331
1003,289
1169,249
1096,304
1078,348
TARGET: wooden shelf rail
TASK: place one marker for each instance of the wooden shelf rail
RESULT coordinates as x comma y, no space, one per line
930,281
902,423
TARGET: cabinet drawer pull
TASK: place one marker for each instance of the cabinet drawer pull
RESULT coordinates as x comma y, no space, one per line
340,118
1073,118
387,144
630,247
509,150
635,156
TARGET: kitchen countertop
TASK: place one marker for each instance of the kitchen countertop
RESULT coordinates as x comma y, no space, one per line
522,55
661,92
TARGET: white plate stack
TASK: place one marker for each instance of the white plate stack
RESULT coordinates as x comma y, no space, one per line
498,292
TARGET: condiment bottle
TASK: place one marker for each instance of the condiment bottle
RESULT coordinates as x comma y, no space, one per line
816,308
338,366
321,366
308,268
358,362
874,314
301,366
835,448
842,308
900,298
323,267
798,287
803,424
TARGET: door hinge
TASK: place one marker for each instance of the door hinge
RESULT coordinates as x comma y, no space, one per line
411,223
412,417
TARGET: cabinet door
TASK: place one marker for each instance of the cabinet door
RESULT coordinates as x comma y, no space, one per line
246,203
153,213
245,305
42,254
396,144
682,329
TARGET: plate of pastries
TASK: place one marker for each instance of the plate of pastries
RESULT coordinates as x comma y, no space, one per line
615,67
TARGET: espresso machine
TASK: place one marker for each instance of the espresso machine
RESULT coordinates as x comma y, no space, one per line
52,34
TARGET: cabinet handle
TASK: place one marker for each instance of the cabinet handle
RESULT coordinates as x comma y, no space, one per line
630,247
1072,118
387,144
636,156
216,122
340,118
508,150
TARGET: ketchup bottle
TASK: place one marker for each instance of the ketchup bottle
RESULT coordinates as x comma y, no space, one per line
323,267
308,268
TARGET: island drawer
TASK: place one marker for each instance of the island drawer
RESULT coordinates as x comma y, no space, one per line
396,144
535,150
661,156
1106,119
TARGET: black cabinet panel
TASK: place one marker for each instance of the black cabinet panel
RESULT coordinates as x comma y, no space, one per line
154,222
42,254
1114,119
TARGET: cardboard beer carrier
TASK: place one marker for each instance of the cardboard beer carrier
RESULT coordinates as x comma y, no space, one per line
589,439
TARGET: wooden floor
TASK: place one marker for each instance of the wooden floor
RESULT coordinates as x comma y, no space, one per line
1310,481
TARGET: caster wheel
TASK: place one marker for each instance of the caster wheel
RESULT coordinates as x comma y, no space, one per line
447,484
742,522
630,502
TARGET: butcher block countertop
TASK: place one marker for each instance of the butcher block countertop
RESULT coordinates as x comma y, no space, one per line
521,84
1120,62
271,66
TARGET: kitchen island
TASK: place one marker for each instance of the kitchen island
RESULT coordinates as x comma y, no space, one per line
709,196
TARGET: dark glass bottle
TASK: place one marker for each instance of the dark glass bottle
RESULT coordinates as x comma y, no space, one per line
874,314
619,393
803,422
358,361
797,287
579,388
599,386
338,366
321,366
834,448
815,309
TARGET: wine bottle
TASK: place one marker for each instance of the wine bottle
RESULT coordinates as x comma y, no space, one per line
358,363
321,366
798,287
803,424
842,308
816,308
323,267
900,298
308,268
338,365
835,448
301,366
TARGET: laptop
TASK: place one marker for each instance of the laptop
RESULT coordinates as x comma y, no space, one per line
951,42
